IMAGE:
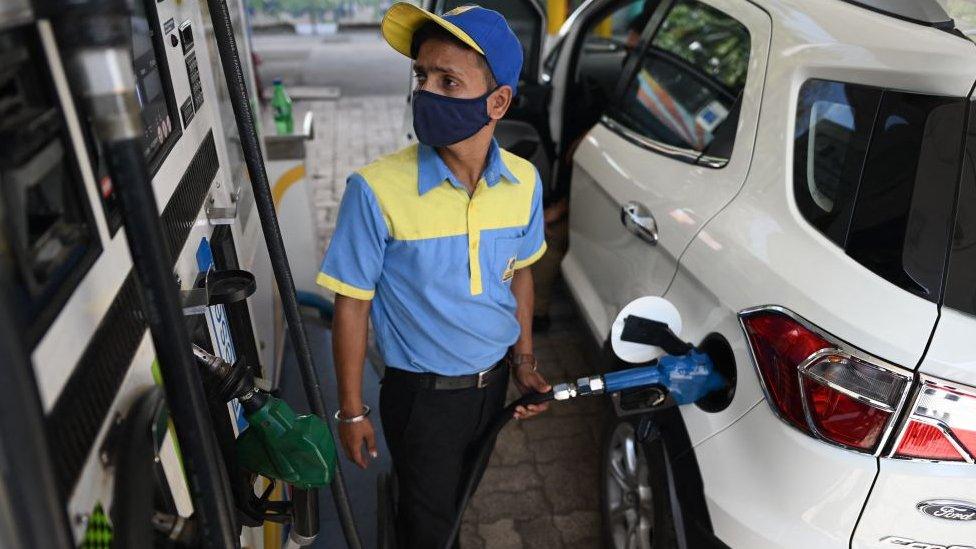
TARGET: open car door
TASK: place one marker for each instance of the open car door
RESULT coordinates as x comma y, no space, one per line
525,129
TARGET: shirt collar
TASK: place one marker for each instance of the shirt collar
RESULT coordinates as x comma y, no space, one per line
432,171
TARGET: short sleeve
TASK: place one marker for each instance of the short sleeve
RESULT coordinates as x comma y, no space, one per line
534,242
354,261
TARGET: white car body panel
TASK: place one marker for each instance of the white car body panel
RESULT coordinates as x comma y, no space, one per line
900,486
952,353
610,171
703,313
768,485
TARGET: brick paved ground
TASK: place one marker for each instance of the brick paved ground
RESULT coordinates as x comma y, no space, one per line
541,488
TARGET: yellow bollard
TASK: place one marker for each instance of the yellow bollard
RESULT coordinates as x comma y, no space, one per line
605,28
557,11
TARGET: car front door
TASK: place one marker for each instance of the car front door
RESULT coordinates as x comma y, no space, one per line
668,154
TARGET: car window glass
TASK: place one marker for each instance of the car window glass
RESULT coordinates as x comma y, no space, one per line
900,227
621,27
960,293
607,42
875,171
525,21
833,126
689,80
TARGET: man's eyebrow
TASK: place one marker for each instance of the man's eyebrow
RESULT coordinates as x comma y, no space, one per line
436,68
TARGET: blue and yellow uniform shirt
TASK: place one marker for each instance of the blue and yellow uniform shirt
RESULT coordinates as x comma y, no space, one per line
436,262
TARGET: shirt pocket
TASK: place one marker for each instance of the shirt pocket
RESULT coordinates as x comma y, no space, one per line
502,267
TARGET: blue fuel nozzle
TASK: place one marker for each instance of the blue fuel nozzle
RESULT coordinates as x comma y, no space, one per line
687,378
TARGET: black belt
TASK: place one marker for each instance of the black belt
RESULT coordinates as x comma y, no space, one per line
479,380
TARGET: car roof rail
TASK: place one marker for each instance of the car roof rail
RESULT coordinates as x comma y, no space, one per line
925,12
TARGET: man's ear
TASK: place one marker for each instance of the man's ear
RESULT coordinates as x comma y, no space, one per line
499,102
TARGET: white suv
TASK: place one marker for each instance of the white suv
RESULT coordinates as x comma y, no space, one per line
798,177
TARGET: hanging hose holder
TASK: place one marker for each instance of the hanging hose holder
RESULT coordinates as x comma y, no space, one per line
221,215
217,288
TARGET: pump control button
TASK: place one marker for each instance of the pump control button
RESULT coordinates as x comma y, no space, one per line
174,40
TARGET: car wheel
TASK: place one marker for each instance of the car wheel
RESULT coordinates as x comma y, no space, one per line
635,507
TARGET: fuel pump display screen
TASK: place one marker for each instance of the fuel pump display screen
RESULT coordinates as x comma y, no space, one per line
152,88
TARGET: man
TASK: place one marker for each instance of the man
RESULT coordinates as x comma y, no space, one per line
432,244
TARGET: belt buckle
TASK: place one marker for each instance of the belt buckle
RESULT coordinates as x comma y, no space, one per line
482,383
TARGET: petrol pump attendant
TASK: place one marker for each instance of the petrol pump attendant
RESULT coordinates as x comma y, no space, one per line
432,243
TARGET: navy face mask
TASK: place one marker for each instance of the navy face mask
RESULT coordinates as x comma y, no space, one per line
440,121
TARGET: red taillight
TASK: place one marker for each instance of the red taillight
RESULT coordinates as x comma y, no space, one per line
818,385
780,345
925,441
843,419
942,425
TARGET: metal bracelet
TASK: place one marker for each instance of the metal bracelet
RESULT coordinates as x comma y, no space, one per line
517,360
354,419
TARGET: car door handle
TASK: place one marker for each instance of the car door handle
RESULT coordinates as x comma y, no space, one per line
639,220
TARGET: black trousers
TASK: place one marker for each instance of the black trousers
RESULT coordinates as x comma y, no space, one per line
432,435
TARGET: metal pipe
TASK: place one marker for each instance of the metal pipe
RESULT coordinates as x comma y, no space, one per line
304,516
251,147
32,514
103,76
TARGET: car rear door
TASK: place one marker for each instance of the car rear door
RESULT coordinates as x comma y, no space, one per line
925,493
671,151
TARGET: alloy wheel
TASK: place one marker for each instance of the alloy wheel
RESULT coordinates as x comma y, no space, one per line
629,501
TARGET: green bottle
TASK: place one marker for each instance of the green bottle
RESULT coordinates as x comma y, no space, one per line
281,104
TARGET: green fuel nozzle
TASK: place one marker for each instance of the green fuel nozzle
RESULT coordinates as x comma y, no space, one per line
278,443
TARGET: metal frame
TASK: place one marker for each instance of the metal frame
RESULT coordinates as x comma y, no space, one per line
839,348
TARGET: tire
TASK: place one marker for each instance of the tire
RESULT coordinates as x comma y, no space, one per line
634,500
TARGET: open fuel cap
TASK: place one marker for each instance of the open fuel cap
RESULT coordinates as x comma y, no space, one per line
649,307
230,286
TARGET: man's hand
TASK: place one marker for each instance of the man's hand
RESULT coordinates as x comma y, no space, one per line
353,436
527,380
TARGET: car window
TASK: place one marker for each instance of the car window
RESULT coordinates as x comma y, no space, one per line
607,44
833,125
960,293
689,81
876,171
525,21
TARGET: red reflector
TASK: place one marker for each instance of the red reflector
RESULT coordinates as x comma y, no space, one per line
843,419
927,442
780,344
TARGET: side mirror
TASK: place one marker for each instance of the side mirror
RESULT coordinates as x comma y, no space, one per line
644,328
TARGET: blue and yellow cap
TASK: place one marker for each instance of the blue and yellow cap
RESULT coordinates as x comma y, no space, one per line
485,30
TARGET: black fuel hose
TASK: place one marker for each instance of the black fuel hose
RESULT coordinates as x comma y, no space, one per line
251,148
483,453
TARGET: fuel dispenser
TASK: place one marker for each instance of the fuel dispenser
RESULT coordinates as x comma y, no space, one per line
146,380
